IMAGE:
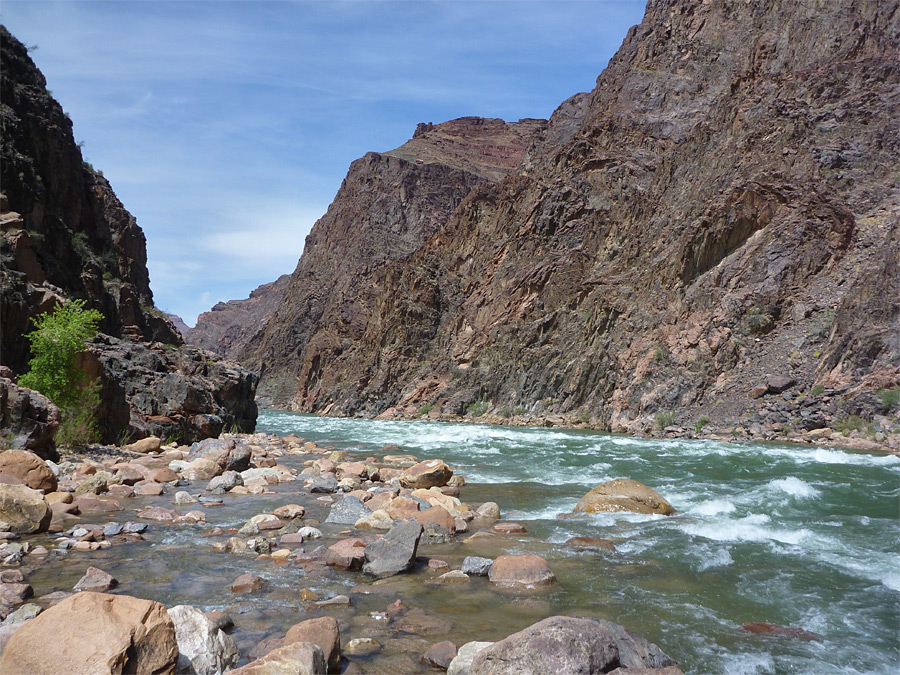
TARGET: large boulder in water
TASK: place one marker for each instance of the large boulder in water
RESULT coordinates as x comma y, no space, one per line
565,645
323,632
227,453
299,658
27,467
395,552
29,420
89,633
623,494
521,572
203,648
23,510
430,473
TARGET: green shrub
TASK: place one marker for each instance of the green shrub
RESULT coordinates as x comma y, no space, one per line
818,390
889,398
852,423
699,424
59,337
478,408
664,419
425,409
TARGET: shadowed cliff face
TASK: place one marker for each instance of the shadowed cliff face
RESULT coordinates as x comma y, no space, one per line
64,234
722,207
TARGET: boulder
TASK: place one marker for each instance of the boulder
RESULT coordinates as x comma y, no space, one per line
362,647
395,552
440,655
347,554
347,511
228,453
561,645
299,658
88,633
246,583
787,631
97,580
438,515
29,420
521,572
623,494
430,473
477,567
323,632
23,510
326,484
29,468
144,446
488,510
462,662
222,484
377,520
14,592
203,648
289,511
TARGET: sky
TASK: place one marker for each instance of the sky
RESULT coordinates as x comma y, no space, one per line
226,127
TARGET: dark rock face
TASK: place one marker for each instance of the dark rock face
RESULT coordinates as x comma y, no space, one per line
185,393
667,241
28,420
228,326
64,234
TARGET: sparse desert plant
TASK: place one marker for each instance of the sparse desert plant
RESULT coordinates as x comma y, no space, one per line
478,408
664,419
699,424
818,390
425,409
889,398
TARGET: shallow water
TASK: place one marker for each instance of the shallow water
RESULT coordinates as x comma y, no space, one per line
790,535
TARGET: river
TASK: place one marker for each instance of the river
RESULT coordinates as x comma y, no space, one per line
792,535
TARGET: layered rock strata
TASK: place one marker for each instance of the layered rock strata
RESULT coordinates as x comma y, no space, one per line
723,207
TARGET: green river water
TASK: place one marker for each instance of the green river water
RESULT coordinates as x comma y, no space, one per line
791,535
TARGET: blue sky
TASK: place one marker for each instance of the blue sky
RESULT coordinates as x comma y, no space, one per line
226,127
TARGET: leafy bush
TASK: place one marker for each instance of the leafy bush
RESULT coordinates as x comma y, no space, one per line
699,424
59,337
479,407
425,409
818,390
664,419
889,398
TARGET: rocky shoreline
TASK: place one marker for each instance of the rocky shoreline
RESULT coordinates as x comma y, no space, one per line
361,522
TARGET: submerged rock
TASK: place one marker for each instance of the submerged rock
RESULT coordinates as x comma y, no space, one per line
623,494
521,572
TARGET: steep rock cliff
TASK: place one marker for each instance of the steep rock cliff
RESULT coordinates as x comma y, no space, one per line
722,208
228,326
64,234
387,207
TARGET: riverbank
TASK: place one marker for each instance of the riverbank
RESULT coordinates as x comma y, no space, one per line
687,582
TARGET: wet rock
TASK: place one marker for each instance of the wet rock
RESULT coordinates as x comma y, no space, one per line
432,533
326,484
772,629
324,633
623,494
299,658
221,619
29,419
246,583
521,572
347,511
203,648
96,580
227,453
182,498
222,484
402,508
395,552
159,513
23,510
362,647
436,566
560,645
439,516
163,475
635,651
151,489
593,543
336,601
92,632
509,528
376,520
309,533
28,468
289,511
14,593
452,577
151,444
347,554
22,614
488,510
430,473
477,567
462,662
440,655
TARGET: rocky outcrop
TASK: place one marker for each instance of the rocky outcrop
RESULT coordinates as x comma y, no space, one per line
228,326
64,234
28,420
387,207
722,207
26,468
182,393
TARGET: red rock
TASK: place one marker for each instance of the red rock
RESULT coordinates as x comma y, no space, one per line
623,494
14,593
323,632
163,475
402,508
591,542
96,505
509,528
29,468
521,571
299,657
246,583
347,554
97,580
438,515
159,513
439,655
438,566
772,629
430,473
89,633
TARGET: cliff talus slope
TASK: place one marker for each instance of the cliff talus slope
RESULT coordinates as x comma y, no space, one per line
722,208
